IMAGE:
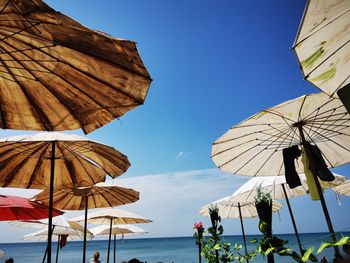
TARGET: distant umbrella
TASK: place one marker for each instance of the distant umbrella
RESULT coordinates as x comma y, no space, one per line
56,160
56,74
241,209
97,196
254,146
112,217
122,230
322,44
19,208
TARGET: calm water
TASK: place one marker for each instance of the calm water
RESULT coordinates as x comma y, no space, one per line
153,250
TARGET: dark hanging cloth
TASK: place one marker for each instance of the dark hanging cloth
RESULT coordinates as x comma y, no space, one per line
344,96
289,156
321,168
63,241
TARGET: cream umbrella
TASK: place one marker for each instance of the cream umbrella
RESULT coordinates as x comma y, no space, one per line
112,217
123,230
56,160
254,146
232,209
84,198
60,225
278,188
322,44
56,74
73,231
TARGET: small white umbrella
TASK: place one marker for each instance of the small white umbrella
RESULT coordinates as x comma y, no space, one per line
112,217
233,209
123,230
61,227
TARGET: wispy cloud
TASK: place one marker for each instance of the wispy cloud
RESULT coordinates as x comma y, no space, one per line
182,154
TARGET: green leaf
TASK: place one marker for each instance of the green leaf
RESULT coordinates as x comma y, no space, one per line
342,241
269,250
307,254
322,247
254,240
217,247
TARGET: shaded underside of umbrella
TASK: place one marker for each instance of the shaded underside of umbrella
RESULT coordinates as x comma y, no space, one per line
126,230
322,44
99,195
230,209
273,185
254,146
343,189
19,208
117,216
41,235
56,74
26,161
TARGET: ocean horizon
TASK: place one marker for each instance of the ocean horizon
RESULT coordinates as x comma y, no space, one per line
148,249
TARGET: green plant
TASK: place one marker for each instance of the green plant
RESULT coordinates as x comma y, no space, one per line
215,249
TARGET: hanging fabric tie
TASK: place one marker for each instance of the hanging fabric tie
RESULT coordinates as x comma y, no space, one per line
289,156
309,177
63,241
321,168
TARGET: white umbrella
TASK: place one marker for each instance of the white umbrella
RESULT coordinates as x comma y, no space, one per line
61,227
278,188
233,209
254,147
123,230
322,44
112,217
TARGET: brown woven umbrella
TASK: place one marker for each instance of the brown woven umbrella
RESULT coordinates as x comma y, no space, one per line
96,196
56,74
55,160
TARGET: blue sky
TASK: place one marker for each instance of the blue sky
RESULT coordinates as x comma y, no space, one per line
214,63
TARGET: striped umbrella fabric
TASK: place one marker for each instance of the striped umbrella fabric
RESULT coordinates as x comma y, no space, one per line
78,161
56,74
343,189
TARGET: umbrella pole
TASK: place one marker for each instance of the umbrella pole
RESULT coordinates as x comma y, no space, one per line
293,221
44,258
109,240
52,174
114,249
320,193
58,248
243,233
85,228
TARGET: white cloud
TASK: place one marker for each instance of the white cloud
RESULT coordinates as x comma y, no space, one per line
182,154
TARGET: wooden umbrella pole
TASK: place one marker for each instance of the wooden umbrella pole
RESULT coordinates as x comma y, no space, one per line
114,256
45,254
109,240
243,233
319,190
85,228
58,247
52,177
293,221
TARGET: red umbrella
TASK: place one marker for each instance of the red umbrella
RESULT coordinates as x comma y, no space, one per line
19,208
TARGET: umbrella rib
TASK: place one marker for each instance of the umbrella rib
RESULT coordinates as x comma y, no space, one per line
23,15
311,129
310,115
313,121
279,115
85,73
41,156
4,7
301,107
253,157
64,157
41,115
341,146
341,84
272,154
292,128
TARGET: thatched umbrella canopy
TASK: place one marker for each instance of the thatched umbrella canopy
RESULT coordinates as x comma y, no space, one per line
56,74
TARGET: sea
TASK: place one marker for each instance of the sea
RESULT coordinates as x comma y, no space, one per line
150,250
